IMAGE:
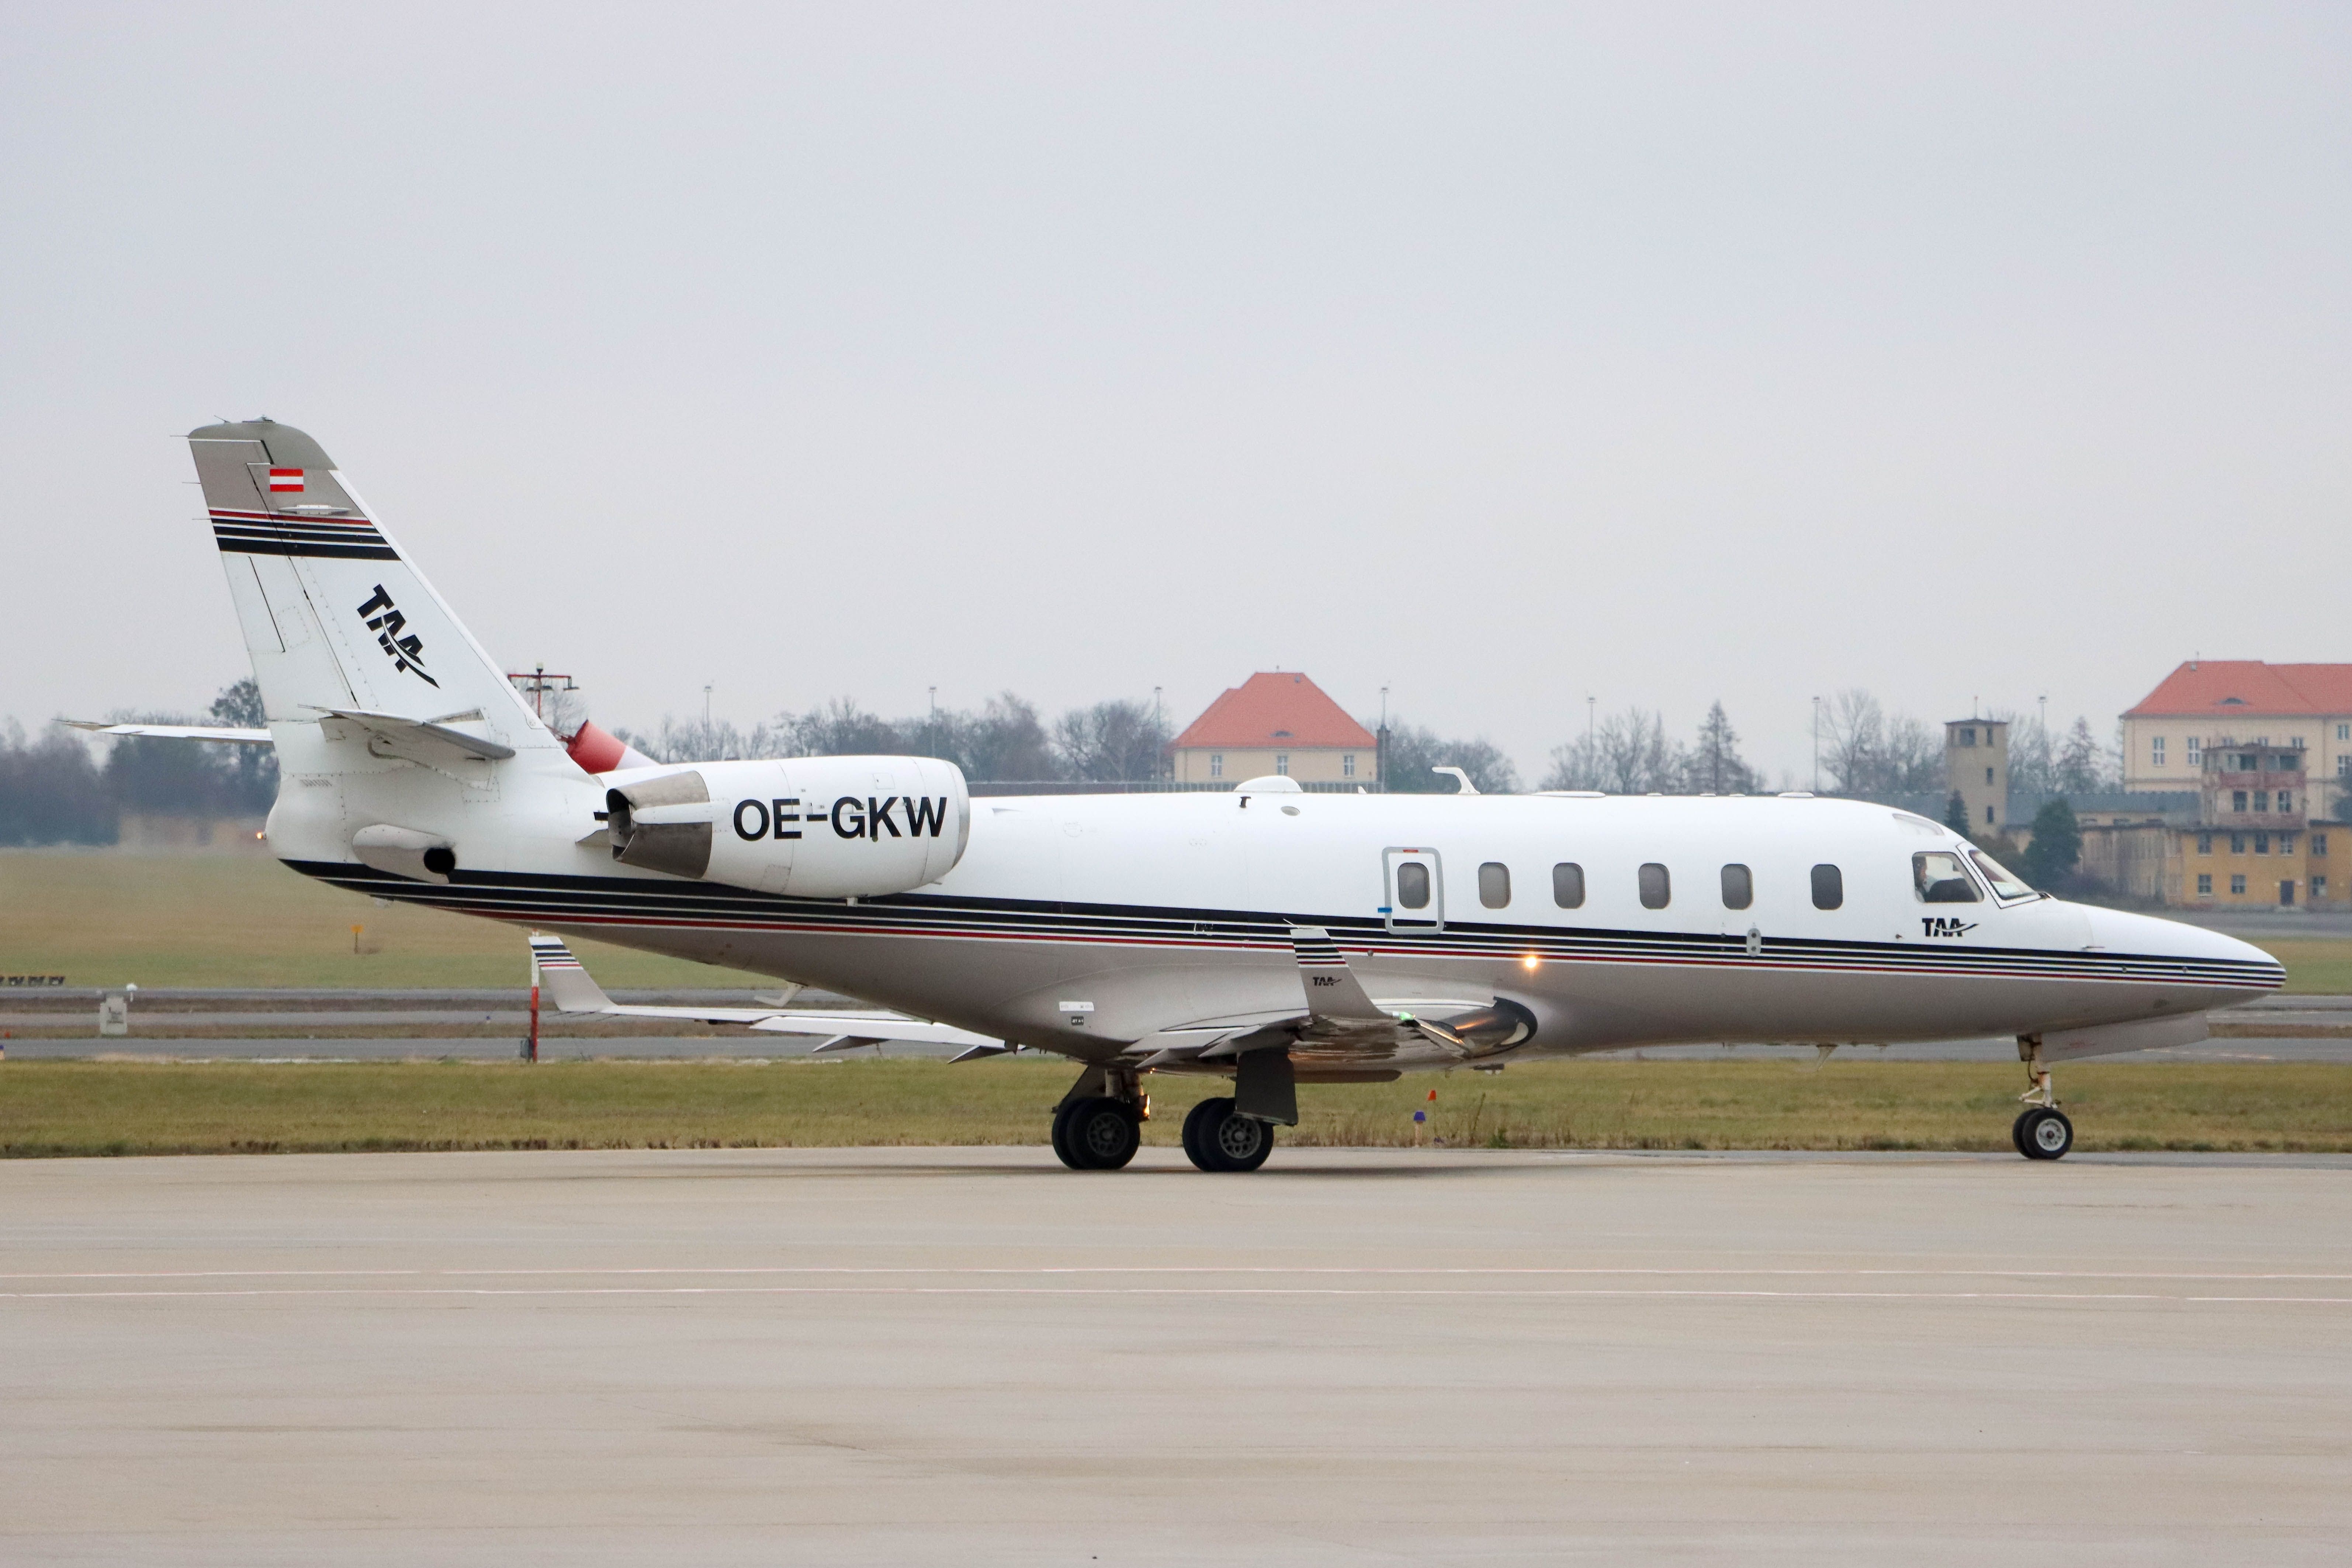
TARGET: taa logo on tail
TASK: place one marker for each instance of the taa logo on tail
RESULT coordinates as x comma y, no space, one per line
405,652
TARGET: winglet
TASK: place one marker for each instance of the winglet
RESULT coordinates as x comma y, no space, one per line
1332,989
568,984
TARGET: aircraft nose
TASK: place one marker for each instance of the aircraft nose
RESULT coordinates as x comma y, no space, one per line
2120,931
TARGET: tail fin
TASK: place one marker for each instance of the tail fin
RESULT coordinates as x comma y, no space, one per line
569,984
335,615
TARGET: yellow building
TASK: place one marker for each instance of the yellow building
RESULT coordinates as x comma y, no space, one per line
2208,704
2250,840
1277,722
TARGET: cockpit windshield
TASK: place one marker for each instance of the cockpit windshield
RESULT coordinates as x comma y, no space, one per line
2005,884
1940,879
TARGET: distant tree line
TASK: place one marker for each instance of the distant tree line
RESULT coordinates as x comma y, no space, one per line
1630,753
1120,740
57,788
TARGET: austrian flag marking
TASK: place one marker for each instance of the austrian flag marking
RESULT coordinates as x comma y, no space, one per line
281,479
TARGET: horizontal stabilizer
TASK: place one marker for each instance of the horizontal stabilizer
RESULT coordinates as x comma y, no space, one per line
427,741
173,732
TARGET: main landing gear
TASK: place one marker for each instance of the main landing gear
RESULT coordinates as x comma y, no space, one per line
2041,1131
1218,1139
1097,1132
1099,1123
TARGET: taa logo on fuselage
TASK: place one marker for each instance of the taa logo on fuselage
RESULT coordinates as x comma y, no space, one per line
851,817
1945,925
405,652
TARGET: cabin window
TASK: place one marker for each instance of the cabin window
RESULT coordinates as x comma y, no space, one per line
1412,885
1738,887
1495,884
1828,886
1568,885
1657,890
1940,879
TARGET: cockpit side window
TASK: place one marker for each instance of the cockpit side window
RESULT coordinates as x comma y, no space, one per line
1940,879
2005,884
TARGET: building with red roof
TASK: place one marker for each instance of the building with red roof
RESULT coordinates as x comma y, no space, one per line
2208,704
1277,722
2269,749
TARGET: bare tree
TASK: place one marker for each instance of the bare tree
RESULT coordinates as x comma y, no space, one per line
1856,738
1110,741
1414,751
1004,740
1715,765
2081,768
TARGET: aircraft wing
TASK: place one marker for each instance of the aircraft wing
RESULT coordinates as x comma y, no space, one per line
573,990
173,732
1342,1025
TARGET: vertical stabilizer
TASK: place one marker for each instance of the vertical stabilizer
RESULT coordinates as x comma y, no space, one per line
335,615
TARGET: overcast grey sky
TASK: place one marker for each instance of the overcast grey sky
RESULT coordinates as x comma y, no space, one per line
1501,355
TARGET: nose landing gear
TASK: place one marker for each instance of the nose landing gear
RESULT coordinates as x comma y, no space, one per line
2041,1131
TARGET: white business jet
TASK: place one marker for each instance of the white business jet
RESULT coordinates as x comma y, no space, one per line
1265,934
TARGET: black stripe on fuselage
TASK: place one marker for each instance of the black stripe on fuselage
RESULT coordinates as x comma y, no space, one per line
560,901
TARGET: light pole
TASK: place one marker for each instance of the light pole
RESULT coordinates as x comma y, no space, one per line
931,728
1817,745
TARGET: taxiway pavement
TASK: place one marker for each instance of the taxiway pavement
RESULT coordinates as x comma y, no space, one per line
871,1356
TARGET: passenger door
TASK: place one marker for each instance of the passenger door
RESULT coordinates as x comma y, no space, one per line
1412,889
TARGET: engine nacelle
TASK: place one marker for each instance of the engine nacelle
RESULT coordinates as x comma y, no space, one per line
812,827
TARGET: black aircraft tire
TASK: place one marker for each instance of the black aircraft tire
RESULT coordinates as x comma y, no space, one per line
2017,1130
1063,1148
1103,1133
1198,1122
1217,1140
2046,1134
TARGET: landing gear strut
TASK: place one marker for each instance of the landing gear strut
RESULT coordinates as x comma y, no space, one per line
1099,1123
2041,1131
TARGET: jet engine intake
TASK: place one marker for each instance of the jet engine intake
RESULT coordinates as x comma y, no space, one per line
812,827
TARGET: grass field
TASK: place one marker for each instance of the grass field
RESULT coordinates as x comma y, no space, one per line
243,921
240,920
119,1108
